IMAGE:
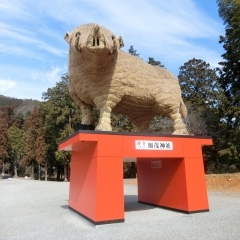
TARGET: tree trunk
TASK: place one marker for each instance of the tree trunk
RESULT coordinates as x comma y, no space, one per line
45,171
69,173
39,172
58,173
133,170
15,167
65,173
15,170
3,170
32,170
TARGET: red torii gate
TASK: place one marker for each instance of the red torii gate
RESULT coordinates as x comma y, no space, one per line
169,168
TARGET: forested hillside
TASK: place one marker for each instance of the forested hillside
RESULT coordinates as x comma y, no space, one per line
21,106
4,101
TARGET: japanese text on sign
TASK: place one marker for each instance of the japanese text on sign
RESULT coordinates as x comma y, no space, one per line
153,145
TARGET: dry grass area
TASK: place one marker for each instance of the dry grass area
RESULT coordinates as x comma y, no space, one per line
215,182
223,182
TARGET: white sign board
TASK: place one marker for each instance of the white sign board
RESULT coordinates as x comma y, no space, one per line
153,145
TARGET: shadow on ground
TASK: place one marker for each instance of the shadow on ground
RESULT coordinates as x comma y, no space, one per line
64,206
131,204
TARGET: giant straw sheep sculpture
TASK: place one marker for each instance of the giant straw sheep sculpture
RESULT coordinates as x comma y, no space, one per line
102,75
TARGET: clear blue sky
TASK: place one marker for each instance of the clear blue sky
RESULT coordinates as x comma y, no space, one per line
34,55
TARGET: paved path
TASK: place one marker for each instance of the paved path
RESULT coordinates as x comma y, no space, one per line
38,210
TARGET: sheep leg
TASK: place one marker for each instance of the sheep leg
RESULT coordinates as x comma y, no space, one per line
87,116
86,110
179,126
105,104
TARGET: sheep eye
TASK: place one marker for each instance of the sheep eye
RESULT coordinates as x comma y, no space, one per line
77,34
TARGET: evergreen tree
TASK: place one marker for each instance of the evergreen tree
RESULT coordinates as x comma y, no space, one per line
41,146
132,51
203,94
199,83
18,120
6,119
154,62
35,147
30,144
8,113
60,115
229,11
3,141
17,142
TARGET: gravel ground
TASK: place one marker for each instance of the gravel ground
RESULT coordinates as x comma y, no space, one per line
38,210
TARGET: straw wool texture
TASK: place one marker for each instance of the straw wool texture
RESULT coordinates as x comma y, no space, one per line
102,75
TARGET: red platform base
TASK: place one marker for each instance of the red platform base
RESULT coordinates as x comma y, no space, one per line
169,168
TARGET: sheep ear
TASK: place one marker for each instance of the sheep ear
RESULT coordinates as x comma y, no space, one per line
120,40
67,37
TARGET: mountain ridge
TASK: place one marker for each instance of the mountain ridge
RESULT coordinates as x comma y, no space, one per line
21,106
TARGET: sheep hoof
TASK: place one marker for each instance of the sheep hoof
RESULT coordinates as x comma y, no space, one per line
103,127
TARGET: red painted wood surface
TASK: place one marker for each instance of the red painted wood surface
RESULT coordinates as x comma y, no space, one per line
96,183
